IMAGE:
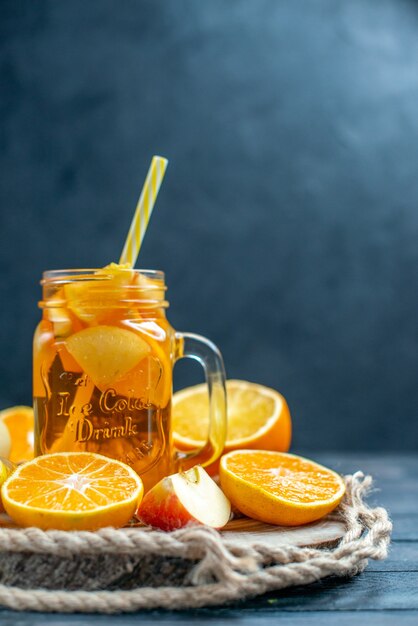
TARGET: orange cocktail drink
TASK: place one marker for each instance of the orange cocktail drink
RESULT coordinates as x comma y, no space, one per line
103,359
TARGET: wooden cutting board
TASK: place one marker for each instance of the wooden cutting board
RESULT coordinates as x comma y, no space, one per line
248,531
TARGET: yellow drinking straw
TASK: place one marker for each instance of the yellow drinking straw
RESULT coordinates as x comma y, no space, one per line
143,210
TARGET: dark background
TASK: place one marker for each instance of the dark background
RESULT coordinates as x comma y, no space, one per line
288,220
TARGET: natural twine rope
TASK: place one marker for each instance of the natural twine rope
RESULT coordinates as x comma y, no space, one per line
225,570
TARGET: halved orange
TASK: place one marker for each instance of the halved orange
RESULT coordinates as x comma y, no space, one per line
19,421
279,488
72,491
106,353
258,417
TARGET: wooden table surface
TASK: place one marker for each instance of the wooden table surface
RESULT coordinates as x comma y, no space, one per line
386,593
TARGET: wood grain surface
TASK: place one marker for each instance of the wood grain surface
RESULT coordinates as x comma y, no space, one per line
385,594
248,531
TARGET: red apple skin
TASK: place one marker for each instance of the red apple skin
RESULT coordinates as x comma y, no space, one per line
162,509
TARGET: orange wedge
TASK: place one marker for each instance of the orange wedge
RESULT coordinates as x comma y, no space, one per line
258,417
279,488
153,288
154,376
19,421
93,298
72,491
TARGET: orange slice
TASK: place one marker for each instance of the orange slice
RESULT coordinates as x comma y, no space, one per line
149,288
153,379
258,417
279,488
19,421
106,353
72,491
93,298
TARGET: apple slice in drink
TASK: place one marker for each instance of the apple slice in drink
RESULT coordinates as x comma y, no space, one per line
185,498
58,315
106,353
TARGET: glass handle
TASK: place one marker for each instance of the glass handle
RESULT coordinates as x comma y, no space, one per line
200,349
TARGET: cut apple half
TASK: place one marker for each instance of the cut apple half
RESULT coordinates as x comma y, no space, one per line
106,353
190,497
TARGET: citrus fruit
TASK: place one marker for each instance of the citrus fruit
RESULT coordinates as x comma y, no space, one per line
149,288
106,353
153,379
91,297
258,417
19,421
6,468
72,491
279,488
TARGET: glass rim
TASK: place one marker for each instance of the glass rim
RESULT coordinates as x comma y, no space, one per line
66,275
150,294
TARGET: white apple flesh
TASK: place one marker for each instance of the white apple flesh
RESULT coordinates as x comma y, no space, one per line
5,441
190,497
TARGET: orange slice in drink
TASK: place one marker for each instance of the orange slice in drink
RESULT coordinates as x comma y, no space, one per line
152,381
148,288
279,488
258,417
94,298
72,491
106,353
19,422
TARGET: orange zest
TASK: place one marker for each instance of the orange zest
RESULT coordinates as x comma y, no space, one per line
19,421
279,488
72,491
